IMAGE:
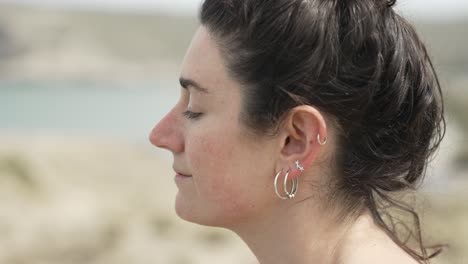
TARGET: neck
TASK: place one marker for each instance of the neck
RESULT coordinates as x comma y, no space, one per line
297,231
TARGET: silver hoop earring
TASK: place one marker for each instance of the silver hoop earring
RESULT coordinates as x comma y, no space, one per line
321,142
289,194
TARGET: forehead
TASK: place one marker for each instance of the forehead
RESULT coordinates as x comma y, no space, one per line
203,61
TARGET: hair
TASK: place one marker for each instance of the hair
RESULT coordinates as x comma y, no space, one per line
358,62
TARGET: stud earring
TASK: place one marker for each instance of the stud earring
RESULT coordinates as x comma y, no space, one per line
299,166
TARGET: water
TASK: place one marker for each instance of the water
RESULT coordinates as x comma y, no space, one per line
126,111
123,111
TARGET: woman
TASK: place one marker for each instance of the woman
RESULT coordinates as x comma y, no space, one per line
297,120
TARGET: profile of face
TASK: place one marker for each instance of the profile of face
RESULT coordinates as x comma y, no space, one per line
224,175
359,76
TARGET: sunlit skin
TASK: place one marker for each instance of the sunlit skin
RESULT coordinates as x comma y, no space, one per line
225,174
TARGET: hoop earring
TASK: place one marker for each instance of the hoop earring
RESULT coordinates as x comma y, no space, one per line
321,142
289,194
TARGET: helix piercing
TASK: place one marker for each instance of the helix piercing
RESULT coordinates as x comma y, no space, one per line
321,142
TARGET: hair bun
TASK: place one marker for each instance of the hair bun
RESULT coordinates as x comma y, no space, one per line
391,3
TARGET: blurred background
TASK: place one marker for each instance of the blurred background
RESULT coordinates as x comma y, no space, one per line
81,85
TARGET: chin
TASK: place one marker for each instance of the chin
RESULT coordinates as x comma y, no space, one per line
189,211
197,218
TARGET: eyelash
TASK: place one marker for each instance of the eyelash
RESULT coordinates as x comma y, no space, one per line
191,115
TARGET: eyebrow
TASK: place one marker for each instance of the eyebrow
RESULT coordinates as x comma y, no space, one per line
185,83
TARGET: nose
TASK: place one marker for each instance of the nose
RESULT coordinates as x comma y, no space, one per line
167,133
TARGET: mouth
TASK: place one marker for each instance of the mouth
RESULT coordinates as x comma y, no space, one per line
178,174
182,178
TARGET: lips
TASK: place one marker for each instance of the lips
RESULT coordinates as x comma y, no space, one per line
180,172
183,175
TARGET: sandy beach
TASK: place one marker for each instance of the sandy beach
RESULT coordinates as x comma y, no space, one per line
68,200
82,200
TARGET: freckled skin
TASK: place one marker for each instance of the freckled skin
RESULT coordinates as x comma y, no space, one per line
232,173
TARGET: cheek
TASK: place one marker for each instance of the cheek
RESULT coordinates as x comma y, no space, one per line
217,161
210,157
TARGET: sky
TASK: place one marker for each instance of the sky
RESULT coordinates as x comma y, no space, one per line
420,9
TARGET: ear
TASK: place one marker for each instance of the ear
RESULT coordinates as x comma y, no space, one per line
299,138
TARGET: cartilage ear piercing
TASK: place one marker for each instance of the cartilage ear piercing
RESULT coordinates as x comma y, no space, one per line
321,142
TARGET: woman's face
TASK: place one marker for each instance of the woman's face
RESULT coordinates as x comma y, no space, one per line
223,174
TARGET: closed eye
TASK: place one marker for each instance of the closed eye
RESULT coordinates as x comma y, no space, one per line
191,115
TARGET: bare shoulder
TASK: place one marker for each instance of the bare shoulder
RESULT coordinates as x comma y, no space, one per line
382,254
367,244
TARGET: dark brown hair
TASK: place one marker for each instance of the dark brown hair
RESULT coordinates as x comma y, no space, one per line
359,62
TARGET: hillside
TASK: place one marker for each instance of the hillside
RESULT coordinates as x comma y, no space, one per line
53,44
57,44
